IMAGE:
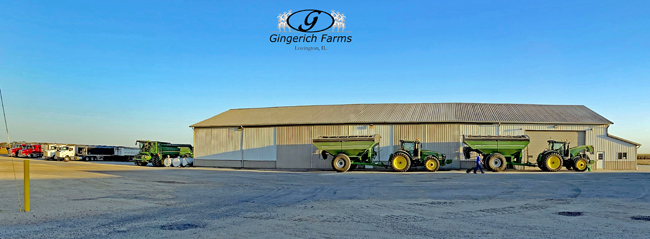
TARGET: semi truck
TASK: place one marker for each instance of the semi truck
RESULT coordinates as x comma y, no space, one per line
27,151
66,153
49,150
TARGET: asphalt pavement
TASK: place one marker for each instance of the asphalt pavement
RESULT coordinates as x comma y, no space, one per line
118,200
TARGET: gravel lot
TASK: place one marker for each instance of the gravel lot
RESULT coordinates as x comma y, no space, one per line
117,200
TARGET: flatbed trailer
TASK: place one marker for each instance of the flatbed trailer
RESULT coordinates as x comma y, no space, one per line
106,153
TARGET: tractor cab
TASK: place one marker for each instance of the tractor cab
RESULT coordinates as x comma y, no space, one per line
412,147
561,147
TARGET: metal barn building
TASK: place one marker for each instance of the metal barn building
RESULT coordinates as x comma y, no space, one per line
280,137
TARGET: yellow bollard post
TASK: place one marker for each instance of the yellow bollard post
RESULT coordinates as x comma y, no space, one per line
26,185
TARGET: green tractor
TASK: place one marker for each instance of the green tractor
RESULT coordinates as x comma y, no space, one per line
411,154
559,154
156,151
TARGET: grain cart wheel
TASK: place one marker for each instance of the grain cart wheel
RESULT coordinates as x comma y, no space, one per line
432,164
341,163
552,162
580,164
67,159
496,162
401,162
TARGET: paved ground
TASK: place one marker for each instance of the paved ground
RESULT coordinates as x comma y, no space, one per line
116,200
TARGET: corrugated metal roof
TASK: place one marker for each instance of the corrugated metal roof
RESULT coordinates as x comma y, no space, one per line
624,140
405,113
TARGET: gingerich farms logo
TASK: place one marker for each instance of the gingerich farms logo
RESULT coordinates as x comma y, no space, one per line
311,26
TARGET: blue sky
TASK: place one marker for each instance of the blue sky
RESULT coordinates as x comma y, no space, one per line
111,72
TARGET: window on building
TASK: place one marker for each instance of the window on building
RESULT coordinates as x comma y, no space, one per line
622,155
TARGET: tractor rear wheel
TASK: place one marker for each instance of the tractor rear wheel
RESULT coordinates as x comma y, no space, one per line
341,163
580,164
552,162
496,162
401,162
432,164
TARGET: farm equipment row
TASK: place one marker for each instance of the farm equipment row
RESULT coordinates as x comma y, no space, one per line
497,153
350,151
155,152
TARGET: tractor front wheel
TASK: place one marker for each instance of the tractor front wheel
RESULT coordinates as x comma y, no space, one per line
401,162
552,162
341,163
155,161
580,164
432,164
496,162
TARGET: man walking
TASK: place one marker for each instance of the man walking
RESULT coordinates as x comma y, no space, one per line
478,164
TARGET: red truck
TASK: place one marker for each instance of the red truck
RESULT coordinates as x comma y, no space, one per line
16,150
27,150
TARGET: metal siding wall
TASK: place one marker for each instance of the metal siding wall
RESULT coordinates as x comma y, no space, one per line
219,144
202,140
478,129
385,144
444,138
294,147
408,132
259,144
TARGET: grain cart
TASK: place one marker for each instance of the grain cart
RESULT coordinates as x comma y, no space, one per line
411,154
558,153
349,151
498,151
156,151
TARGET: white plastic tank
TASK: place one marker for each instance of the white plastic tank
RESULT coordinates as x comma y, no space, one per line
167,162
176,162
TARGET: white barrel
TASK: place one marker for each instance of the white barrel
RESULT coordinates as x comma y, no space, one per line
176,162
190,161
184,162
167,162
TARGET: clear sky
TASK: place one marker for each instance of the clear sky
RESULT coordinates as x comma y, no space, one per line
111,72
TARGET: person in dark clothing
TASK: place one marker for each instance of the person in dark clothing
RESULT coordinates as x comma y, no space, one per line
478,164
